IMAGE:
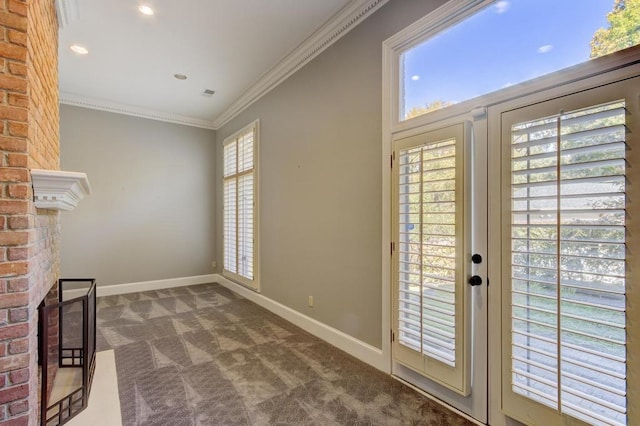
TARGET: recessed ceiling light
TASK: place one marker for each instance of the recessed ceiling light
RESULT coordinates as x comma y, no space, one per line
180,76
145,10
80,50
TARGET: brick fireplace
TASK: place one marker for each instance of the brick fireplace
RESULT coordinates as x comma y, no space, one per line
29,237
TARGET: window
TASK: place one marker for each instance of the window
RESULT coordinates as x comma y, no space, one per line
240,206
479,50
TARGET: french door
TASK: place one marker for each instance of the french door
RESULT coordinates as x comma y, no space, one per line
568,260
439,275
538,197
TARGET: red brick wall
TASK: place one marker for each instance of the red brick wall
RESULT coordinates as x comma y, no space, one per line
29,237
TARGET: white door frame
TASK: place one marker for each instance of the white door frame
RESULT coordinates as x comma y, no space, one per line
474,405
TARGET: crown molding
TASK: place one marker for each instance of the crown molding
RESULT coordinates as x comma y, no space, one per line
67,12
344,21
108,106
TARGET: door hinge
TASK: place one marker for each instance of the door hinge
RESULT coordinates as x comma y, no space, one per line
392,158
393,336
393,248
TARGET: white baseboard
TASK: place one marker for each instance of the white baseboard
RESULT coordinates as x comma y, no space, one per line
115,289
354,347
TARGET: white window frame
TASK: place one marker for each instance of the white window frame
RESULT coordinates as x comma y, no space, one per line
255,282
443,17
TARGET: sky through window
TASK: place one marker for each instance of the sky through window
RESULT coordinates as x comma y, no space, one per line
506,43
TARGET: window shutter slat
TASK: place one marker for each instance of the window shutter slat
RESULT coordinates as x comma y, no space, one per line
239,205
245,228
230,220
427,266
568,262
230,159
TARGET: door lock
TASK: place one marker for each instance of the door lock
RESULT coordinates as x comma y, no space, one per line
476,258
475,280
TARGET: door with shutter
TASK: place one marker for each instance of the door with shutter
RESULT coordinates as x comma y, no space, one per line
567,218
439,193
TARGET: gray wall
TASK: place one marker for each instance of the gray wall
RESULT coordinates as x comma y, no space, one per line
151,215
321,180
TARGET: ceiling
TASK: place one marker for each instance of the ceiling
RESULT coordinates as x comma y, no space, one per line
239,49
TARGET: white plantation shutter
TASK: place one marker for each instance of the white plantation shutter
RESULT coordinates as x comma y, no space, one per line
230,225
245,225
427,253
239,205
245,152
430,300
568,206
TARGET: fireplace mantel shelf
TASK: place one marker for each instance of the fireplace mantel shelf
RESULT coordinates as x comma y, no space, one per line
59,190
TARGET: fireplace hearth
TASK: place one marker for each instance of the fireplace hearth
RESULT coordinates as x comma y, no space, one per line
67,350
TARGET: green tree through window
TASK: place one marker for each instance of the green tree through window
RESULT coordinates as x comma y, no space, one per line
623,31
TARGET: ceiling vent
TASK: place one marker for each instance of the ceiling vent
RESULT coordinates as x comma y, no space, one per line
208,93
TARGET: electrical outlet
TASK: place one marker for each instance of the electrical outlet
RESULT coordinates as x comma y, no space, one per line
214,264
311,301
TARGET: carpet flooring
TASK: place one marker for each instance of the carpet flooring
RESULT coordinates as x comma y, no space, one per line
203,355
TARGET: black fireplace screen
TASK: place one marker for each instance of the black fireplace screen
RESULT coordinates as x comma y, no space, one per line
67,350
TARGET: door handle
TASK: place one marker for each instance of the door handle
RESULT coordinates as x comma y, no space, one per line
475,280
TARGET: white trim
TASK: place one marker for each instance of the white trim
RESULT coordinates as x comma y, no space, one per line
357,348
388,58
58,190
67,12
109,106
117,289
434,22
343,22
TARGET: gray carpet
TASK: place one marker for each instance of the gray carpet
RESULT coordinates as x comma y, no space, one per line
203,355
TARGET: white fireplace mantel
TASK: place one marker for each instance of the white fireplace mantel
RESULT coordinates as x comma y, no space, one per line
59,190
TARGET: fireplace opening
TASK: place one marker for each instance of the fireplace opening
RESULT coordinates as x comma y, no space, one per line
66,350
